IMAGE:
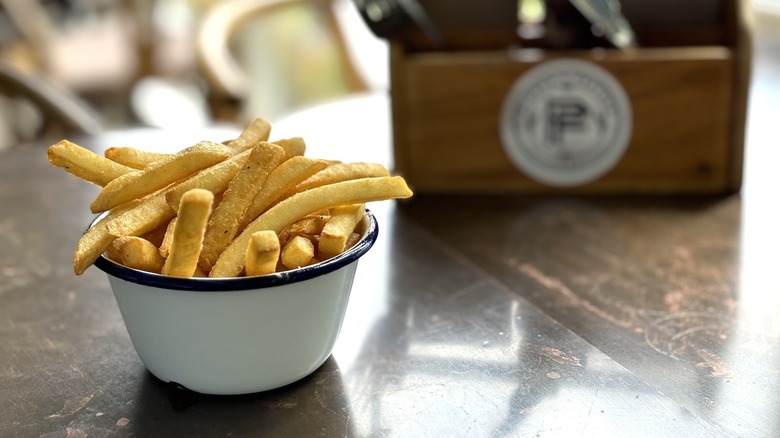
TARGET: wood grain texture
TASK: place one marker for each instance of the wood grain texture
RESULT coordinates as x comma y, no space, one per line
688,107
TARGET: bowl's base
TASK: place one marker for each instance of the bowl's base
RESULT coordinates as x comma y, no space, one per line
183,392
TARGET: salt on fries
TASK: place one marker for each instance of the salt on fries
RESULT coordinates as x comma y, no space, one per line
248,206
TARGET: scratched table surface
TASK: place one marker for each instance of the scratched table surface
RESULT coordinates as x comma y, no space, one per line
471,317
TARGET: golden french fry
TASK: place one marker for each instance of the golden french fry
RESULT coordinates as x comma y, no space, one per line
149,214
137,253
280,181
200,274
214,179
353,239
256,131
340,226
97,239
297,252
281,215
310,225
132,157
159,174
342,172
157,235
165,245
262,253
188,233
224,223
85,164
293,146
286,199
155,209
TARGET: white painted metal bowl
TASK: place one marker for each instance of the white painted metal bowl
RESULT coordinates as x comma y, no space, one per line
237,335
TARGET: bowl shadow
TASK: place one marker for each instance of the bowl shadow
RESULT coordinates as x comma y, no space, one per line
316,404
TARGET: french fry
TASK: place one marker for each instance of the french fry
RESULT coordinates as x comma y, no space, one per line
262,253
293,146
188,233
159,174
97,239
352,240
310,225
152,212
200,274
256,131
214,179
137,253
157,235
275,208
155,209
280,181
340,226
297,252
224,223
85,164
281,215
165,245
342,172
132,157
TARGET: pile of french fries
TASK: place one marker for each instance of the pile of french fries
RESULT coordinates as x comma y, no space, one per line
248,206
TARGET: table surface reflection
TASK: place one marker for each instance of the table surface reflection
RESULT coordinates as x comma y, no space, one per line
472,316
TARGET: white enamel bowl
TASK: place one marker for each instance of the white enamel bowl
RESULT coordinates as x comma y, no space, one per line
237,335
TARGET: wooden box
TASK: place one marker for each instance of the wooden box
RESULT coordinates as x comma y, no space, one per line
454,112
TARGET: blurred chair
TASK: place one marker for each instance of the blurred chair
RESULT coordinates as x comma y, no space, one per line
97,49
302,40
54,111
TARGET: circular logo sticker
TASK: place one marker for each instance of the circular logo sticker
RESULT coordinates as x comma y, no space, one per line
566,122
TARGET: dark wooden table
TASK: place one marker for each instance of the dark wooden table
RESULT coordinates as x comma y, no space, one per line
506,316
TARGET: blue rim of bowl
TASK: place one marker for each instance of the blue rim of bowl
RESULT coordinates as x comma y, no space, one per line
243,283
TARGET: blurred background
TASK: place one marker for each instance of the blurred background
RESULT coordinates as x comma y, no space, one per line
176,63
179,63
